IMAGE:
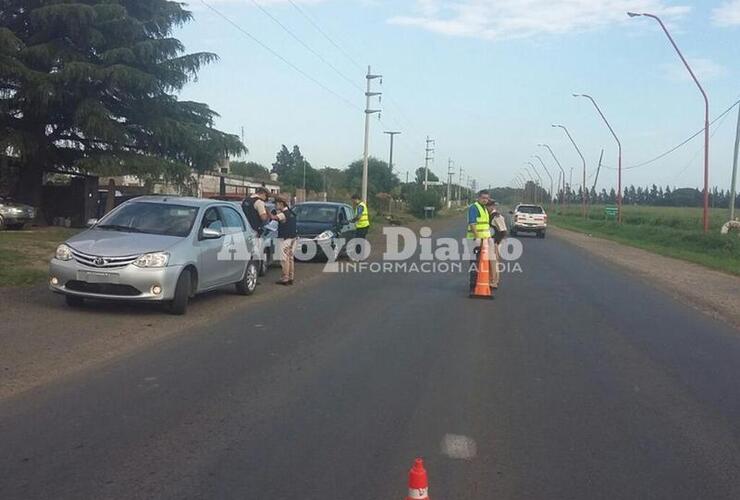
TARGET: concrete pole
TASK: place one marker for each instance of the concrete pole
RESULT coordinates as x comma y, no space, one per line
449,182
390,156
733,192
427,158
368,94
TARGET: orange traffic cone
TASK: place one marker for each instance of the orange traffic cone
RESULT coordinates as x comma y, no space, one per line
418,484
482,288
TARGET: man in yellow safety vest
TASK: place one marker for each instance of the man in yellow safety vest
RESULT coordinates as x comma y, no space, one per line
479,228
361,219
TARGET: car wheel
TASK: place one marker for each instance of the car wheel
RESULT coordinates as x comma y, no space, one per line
248,284
74,301
179,304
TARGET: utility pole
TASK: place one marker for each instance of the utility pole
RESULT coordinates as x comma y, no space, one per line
428,151
368,94
449,181
390,158
596,179
459,184
733,193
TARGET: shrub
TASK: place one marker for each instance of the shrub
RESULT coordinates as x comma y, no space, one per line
420,199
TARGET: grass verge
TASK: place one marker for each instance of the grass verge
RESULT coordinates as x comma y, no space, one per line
671,232
25,255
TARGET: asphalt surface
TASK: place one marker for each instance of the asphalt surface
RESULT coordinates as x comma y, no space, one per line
578,381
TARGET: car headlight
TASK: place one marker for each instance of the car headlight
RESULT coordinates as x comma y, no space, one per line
63,252
155,259
326,235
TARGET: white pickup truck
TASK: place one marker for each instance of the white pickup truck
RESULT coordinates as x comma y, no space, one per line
528,219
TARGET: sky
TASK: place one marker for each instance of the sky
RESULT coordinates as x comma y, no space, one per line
485,79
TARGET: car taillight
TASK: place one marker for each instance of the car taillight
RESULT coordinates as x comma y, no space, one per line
545,218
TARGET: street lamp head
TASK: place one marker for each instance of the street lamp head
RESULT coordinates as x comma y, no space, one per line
633,14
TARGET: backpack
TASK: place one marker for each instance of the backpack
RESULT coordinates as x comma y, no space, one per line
253,216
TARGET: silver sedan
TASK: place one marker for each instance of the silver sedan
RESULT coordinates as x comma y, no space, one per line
161,249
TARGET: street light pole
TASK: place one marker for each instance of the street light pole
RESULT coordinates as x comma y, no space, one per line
548,174
619,147
561,170
538,176
705,217
523,182
534,183
583,188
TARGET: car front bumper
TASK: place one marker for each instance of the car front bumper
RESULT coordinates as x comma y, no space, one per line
529,227
126,283
12,219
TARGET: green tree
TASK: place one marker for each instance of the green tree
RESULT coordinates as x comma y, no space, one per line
420,176
249,169
291,167
91,86
380,177
418,199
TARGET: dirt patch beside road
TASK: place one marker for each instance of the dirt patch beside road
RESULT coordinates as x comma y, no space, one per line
41,339
712,292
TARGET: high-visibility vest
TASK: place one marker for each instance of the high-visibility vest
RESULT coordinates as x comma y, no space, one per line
364,220
482,224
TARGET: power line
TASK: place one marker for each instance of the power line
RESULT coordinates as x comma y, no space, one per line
276,54
693,159
681,144
323,32
325,35
305,45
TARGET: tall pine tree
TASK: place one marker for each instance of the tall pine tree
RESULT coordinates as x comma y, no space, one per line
90,85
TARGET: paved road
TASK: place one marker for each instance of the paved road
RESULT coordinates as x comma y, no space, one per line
577,382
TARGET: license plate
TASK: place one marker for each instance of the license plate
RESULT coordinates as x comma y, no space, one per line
97,277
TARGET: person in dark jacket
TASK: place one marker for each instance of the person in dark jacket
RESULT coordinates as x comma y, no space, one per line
287,233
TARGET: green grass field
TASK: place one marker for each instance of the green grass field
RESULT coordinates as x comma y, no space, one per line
671,231
25,255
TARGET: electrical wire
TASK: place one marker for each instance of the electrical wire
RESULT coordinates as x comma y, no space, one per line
406,121
700,150
306,46
324,34
283,59
681,144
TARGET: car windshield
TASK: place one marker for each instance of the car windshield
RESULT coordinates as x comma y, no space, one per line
315,213
151,218
530,209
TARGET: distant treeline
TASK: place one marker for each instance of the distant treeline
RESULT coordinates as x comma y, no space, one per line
648,195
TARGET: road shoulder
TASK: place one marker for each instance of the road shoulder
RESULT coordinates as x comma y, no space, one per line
42,340
712,292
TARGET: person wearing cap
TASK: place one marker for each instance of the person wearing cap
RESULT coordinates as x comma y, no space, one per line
498,229
287,233
479,229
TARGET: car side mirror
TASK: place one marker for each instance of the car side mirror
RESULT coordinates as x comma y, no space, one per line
211,234
92,222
